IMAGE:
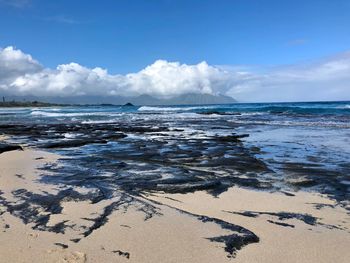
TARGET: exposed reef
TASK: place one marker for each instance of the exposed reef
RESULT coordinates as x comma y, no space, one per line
5,147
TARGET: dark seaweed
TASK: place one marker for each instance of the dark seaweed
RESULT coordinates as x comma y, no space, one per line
280,223
103,218
5,147
306,218
64,246
122,253
239,237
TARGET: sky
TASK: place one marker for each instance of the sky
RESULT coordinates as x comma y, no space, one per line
253,50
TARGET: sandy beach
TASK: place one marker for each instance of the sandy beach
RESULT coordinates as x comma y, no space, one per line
174,232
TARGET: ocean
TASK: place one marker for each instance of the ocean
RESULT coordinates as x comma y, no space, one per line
179,149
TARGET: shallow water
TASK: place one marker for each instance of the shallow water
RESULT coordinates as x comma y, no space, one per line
186,148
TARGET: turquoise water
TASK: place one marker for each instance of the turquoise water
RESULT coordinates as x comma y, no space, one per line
330,114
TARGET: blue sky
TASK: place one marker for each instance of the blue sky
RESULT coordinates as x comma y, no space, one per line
252,50
125,36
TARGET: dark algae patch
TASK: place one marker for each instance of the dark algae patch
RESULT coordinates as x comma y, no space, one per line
64,246
306,218
103,218
283,216
233,242
245,213
122,253
5,147
280,223
237,239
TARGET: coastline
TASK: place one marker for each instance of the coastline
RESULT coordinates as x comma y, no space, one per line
173,232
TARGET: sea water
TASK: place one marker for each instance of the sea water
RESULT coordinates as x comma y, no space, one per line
303,140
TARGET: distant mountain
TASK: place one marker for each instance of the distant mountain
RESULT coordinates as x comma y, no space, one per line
139,100
200,99
13,104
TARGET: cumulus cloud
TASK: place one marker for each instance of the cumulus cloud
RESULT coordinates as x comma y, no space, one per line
168,79
21,75
329,79
14,63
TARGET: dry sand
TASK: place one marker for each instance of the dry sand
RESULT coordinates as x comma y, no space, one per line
171,236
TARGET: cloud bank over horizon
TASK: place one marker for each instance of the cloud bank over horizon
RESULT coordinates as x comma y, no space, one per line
329,79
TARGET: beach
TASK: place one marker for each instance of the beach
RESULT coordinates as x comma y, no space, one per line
175,184
174,234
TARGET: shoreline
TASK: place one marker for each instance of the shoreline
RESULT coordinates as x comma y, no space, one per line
159,227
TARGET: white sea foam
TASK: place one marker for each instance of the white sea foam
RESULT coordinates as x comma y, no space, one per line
251,113
4,111
149,108
43,113
70,135
347,106
73,114
99,121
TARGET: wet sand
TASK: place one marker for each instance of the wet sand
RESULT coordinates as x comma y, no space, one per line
298,227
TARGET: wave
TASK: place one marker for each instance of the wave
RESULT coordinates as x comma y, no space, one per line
184,108
99,121
73,114
306,108
275,110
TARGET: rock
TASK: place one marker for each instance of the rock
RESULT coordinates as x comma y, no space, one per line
71,143
64,246
210,113
122,253
4,147
232,138
219,113
301,181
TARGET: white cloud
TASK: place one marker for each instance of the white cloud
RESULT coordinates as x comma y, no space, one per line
167,79
21,75
329,79
14,63
325,80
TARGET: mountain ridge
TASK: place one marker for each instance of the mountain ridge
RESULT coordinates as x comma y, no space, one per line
185,99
